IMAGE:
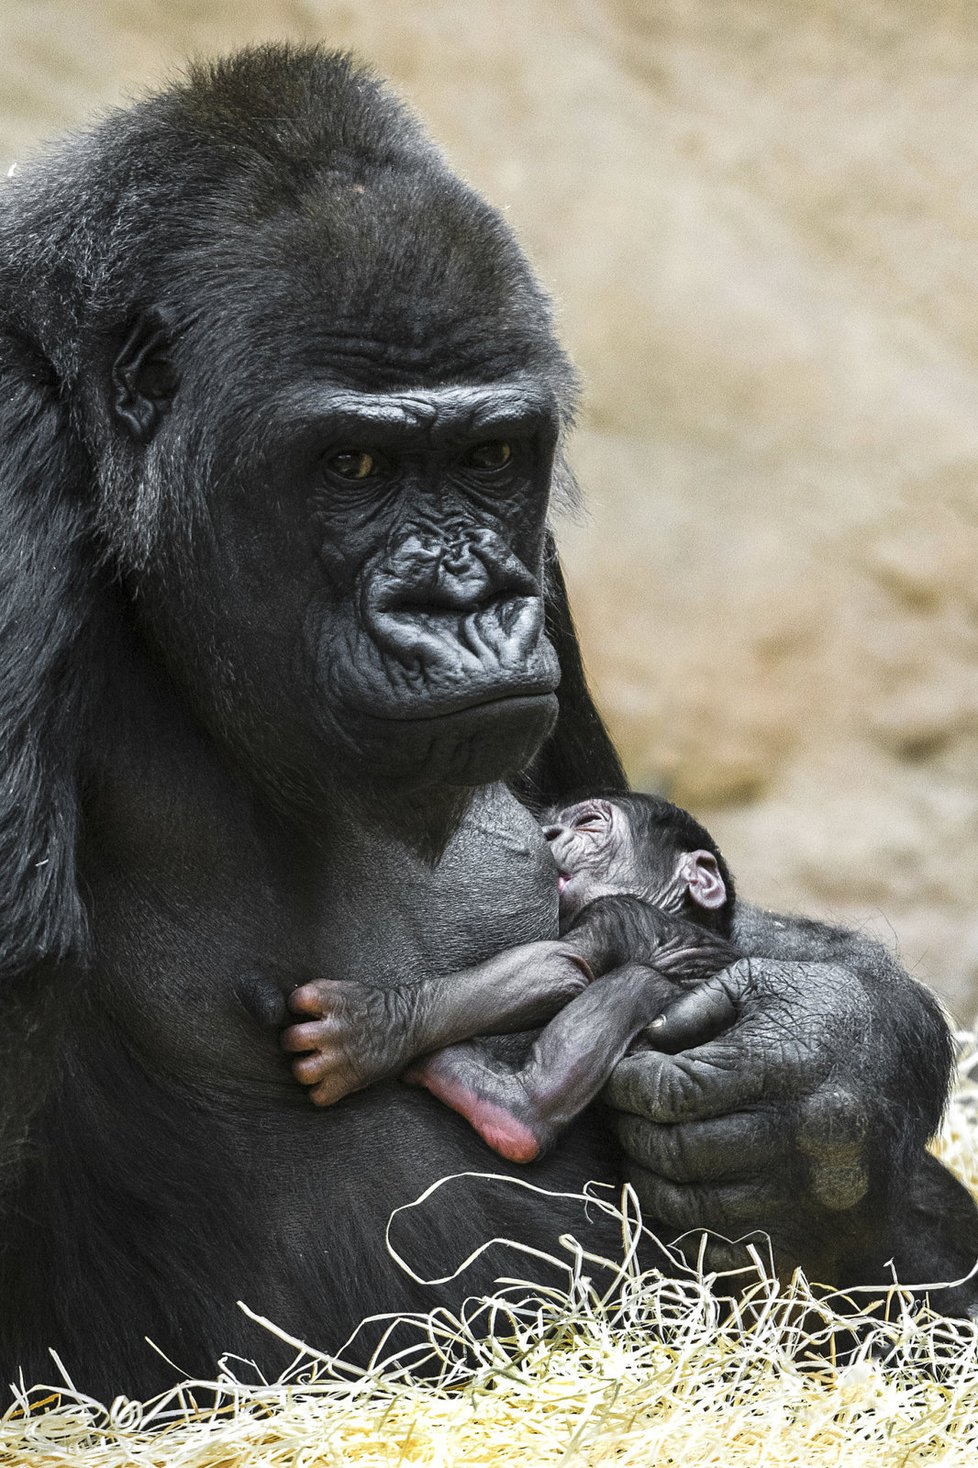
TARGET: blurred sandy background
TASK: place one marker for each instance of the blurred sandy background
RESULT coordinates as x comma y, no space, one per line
760,221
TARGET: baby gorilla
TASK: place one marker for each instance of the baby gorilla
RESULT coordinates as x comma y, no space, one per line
646,904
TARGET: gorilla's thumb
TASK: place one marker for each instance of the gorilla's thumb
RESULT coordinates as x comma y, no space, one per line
695,1017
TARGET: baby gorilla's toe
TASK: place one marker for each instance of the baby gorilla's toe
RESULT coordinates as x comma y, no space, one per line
298,1038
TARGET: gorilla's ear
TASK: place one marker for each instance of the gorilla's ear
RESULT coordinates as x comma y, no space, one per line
578,757
704,880
144,380
45,607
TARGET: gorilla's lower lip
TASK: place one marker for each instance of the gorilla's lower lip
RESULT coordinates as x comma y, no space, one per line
448,709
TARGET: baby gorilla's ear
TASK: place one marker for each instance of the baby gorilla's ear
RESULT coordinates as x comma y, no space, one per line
704,883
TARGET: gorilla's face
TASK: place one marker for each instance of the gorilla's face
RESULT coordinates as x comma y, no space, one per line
365,586
426,634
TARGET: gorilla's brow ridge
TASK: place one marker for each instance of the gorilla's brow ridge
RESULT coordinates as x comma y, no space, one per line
460,408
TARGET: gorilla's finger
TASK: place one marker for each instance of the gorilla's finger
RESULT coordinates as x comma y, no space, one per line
720,1149
691,1086
332,1088
699,1015
728,1208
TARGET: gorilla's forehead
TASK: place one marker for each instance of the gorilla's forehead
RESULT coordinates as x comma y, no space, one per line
291,333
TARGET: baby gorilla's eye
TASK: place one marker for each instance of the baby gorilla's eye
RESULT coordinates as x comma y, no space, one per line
494,454
352,463
593,819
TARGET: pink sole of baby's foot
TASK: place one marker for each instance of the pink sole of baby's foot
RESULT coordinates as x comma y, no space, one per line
502,1131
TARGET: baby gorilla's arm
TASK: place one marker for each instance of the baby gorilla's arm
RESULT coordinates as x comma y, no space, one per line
361,1033
613,931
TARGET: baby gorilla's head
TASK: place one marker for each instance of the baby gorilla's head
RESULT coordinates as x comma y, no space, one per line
642,845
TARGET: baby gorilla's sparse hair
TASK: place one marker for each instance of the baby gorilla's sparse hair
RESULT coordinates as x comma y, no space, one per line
662,831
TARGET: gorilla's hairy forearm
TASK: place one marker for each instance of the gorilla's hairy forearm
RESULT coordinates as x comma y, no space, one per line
349,1035
352,1034
616,930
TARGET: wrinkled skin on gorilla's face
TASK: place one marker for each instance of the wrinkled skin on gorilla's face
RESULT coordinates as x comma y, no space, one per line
594,849
429,627
604,848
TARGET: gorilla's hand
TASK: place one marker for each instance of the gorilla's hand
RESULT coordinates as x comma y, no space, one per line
784,1105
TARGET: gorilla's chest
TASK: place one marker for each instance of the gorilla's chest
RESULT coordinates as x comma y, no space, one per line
392,916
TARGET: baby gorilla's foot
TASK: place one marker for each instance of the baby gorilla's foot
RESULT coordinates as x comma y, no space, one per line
495,1103
351,1042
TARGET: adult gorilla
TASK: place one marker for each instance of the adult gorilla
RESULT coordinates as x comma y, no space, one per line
280,408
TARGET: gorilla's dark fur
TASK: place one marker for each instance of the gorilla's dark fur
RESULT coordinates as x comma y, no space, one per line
280,410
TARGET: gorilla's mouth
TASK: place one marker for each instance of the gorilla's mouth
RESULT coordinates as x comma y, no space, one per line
444,628
476,704
498,636
424,665
438,692
491,721
512,701
478,736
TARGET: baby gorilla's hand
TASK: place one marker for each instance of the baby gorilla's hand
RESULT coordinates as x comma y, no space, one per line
354,1040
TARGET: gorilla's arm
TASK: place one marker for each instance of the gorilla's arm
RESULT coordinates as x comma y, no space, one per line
797,1099
620,929
578,754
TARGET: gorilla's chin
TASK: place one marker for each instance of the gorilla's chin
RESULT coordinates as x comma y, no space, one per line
473,745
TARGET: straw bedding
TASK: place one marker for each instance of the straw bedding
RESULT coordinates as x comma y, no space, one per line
661,1375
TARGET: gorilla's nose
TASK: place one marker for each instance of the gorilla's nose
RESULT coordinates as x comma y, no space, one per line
460,573
463,581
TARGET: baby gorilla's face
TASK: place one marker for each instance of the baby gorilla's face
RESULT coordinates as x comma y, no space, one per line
592,846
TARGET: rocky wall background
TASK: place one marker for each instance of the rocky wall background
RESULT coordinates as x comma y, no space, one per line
760,221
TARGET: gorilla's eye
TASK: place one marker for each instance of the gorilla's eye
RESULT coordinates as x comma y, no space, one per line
352,463
495,453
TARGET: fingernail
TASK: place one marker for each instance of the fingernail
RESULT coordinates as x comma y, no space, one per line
658,1023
